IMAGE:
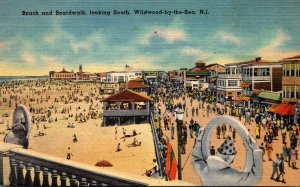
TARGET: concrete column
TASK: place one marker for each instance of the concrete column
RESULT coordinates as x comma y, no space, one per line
37,181
73,181
13,172
45,177
54,178
20,176
63,179
83,182
28,178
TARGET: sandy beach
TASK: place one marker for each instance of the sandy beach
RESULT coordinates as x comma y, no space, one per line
95,143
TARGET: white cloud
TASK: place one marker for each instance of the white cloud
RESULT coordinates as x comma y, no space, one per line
197,53
77,46
272,52
87,43
221,60
228,37
50,38
170,35
51,62
28,58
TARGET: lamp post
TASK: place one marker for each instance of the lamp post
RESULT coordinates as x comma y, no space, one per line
179,118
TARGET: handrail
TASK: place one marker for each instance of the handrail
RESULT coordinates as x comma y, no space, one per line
155,138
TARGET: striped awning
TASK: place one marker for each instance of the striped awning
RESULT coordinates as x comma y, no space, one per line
282,109
273,108
245,84
245,98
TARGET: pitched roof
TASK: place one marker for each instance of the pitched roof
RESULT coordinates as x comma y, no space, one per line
139,79
297,57
132,84
127,95
251,62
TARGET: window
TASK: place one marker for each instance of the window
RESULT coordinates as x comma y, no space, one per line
238,93
232,83
297,92
288,91
292,69
255,72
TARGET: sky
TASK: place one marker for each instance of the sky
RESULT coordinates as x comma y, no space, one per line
233,31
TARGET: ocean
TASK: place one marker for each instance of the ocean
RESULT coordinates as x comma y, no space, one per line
18,78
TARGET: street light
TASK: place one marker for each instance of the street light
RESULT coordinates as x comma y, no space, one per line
179,119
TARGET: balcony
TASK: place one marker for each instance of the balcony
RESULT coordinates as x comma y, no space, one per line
257,78
230,76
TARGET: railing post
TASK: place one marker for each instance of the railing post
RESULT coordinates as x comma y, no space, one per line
63,179
94,183
13,172
20,176
28,179
54,178
45,177
83,182
37,181
73,181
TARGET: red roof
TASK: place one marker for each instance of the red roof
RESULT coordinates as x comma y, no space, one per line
132,84
103,74
283,109
127,95
139,79
195,69
293,57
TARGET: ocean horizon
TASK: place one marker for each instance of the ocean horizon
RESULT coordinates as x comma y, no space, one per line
18,78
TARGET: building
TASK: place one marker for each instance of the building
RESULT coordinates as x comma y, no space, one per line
122,76
127,107
70,75
108,88
228,84
134,85
291,84
62,75
213,71
152,76
260,75
196,77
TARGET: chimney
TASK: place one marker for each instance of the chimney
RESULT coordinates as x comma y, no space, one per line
258,59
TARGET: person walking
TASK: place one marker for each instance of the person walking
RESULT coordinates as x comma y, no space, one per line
269,151
293,157
69,153
276,163
218,132
116,131
172,131
191,129
281,169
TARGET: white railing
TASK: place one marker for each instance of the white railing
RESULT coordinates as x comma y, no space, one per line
257,78
23,167
228,76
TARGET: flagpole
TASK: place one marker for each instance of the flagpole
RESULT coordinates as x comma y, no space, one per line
126,78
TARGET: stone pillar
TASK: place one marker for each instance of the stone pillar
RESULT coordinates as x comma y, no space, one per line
54,178
4,168
94,183
63,179
28,179
83,182
20,176
45,177
13,172
73,181
37,171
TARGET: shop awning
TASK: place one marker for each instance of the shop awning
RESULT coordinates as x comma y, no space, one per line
202,89
244,98
270,96
282,109
273,108
245,84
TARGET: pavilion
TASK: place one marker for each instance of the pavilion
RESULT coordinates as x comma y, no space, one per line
126,107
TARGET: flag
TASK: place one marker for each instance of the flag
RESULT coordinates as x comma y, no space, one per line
171,164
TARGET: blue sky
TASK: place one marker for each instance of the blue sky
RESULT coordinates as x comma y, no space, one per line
233,31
